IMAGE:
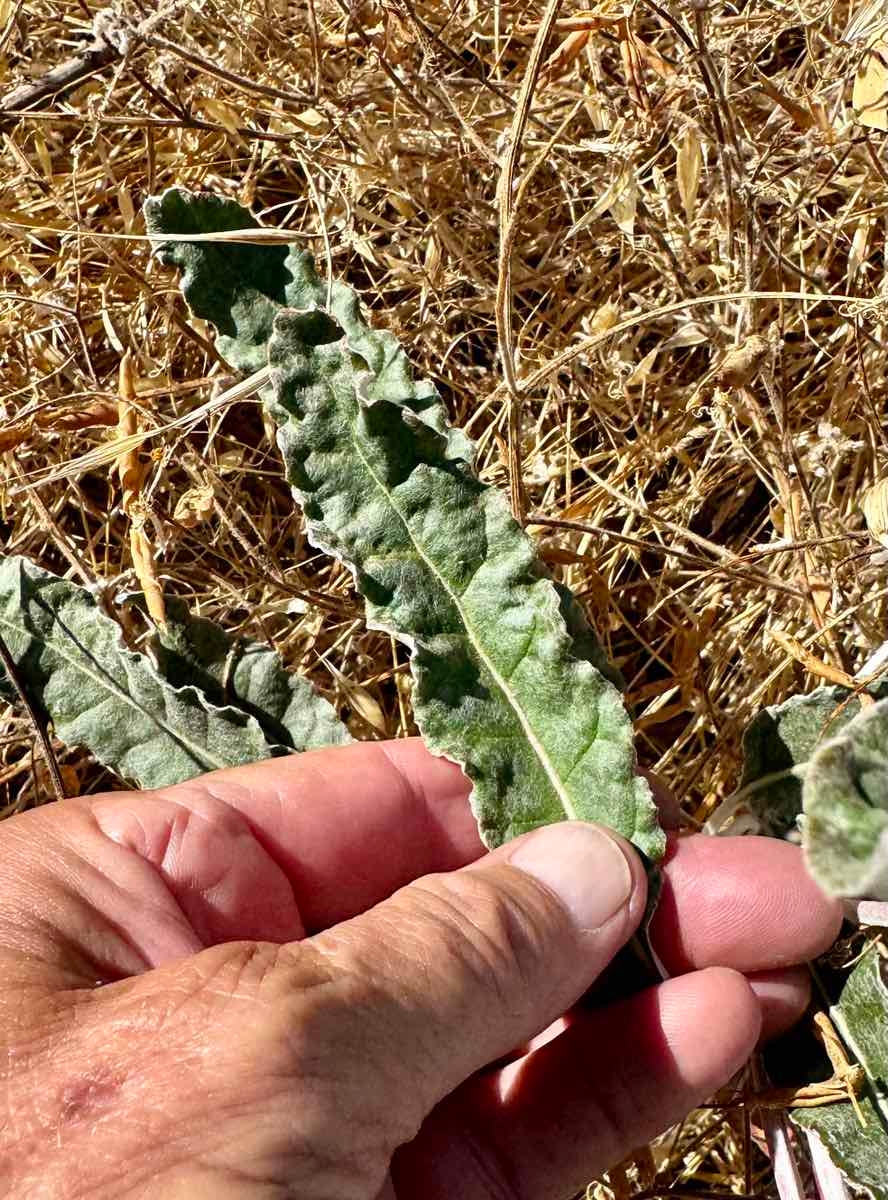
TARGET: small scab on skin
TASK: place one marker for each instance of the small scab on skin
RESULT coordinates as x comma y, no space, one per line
88,1097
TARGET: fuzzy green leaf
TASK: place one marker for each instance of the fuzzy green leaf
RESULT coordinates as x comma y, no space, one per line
248,676
102,696
387,488
443,566
861,1017
242,287
845,799
777,743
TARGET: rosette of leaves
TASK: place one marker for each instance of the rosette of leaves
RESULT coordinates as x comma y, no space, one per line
387,487
153,727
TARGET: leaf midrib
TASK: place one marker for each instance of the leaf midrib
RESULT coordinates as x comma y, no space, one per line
529,731
197,752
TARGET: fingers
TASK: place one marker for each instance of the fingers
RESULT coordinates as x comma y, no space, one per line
132,880
455,970
348,826
617,1077
748,903
783,997
270,1052
127,881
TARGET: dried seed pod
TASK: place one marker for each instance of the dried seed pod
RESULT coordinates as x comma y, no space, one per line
194,506
874,504
131,471
688,167
739,366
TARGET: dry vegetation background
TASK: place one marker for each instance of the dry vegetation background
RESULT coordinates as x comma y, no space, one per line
680,164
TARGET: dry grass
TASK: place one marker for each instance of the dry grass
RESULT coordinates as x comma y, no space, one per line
684,180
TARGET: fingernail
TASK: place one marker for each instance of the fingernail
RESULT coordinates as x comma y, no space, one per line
585,868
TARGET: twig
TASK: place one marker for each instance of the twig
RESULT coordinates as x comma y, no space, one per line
111,41
61,80
507,208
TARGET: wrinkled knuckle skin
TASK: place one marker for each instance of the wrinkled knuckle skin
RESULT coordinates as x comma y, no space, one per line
470,934
311,1036
500,926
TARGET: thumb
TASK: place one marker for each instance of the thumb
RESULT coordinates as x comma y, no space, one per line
455,970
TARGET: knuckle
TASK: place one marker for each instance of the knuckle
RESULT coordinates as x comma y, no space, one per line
486,926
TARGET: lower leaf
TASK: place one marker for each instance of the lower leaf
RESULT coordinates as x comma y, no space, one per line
102,696
249,676
845,799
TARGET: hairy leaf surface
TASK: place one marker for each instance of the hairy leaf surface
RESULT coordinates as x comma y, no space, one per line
861,1016
845,798
242,287
249,676
442,565
102,696
388,489
777,742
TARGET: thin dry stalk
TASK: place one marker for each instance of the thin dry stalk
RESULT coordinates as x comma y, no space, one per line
131,472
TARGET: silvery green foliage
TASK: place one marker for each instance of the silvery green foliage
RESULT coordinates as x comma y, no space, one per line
387,488
442,565
861,1017
242,287
845,800
100,695
781,738
247,675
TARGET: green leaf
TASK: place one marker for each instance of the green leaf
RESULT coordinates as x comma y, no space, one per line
861,1017
584,641
860,1154
845,799
387,488
777,742
443,566
102,696
242,287
248,676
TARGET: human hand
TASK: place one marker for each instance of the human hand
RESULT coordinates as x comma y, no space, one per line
305,978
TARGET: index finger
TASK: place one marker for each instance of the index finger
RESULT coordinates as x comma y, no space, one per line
347,827
351,825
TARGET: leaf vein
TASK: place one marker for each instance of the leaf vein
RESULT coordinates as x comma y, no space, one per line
531,734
